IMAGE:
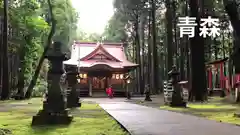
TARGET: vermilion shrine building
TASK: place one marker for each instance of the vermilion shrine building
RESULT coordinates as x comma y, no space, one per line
218,75
99,65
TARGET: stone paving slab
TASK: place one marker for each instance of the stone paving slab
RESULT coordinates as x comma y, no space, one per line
142,120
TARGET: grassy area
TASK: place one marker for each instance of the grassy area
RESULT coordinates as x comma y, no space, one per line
90,119
12,101
215,109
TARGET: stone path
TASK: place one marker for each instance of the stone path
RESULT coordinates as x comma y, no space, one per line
142,120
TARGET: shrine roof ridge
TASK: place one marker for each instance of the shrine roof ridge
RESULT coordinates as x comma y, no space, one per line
94,43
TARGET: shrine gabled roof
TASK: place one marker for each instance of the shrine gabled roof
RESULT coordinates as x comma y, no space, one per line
99,50
82,52
217,61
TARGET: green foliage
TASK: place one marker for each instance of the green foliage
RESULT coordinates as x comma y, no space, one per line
40,88
86,37
29,31
115,30
121,27
66,18
29,20
25,19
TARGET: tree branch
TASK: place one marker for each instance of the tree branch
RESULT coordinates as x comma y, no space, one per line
49,42
232,11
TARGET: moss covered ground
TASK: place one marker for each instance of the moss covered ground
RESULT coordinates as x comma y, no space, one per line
215,109
90,119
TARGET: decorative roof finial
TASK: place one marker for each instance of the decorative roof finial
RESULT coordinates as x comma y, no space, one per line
98,43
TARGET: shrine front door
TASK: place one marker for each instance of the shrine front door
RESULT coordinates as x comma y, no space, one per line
99,83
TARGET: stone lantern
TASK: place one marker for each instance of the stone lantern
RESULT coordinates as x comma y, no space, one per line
177,99
173,75
128,80
147,93
73,97
54,107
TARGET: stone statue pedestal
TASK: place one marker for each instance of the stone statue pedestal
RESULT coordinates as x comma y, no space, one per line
72,96
54,107
45,117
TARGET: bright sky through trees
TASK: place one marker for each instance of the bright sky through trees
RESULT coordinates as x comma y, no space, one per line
94,14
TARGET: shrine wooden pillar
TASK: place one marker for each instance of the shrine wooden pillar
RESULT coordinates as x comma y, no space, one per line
221,75
233,80
106,83
109,80
90,85
237,79
210,78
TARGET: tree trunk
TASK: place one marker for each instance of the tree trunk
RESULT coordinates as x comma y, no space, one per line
230,67
199,85
169,36
207,9
216,84
136,89
155,63
138,56
215,49
149,53
5,83
1,53
224,53
22,68
186,42
49,42
175,48
21,81
142,39
182,59
231,8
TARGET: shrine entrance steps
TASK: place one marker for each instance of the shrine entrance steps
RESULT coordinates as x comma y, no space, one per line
83,93
119,94
99,93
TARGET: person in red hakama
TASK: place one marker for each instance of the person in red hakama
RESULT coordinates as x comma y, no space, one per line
109,92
